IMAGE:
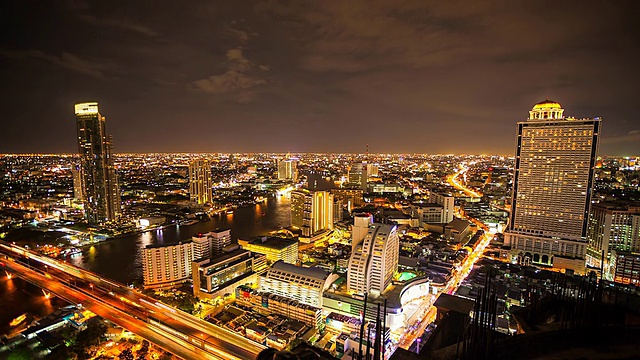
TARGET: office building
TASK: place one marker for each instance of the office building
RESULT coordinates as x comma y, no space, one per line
291,308
353,198
311,211
274,248
100,185
166,265
221,275
78,191
305,285
372,169
287,169
358,175
626,267
200,186
447,201
553,184
220,238
613,226
374,260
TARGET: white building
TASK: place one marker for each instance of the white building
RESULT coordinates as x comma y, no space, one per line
166,265
553,184
374,260
447,201
307,285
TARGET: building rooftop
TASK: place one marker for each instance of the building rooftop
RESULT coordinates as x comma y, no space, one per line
161,245
310,272
273,242
458,224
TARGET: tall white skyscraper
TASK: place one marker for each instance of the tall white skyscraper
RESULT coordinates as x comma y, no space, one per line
374,260
200,186
553,184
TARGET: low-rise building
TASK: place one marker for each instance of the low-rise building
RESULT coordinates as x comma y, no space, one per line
306,285
274,248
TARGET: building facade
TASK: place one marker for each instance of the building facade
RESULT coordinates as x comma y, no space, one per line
273,248
613,226
99,182
553,184
221,275
200,186
447,201
166,265
311,211
374,260
358,175
305,285
287,169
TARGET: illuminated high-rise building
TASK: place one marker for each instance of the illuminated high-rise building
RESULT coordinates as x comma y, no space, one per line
552,187
614,227
311,211
287,169
200,186
358,175
78,191
100,185
374,260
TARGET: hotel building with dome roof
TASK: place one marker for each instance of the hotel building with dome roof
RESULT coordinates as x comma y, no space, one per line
552,187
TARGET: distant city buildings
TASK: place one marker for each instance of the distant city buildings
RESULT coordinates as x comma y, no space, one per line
352,198
374,260
99,183
553,184
288,169
200,186
439,209
311,211
211,243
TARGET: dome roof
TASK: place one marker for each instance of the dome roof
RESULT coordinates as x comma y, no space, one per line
547,104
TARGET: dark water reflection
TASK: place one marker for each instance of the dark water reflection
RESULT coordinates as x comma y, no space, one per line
18,297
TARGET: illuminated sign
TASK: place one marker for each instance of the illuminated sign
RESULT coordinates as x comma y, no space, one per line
86,108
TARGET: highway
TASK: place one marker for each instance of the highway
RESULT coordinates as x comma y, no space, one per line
417,325
179,333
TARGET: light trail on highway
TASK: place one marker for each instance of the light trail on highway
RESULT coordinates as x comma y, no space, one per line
178,332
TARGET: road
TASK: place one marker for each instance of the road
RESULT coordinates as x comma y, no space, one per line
453,180
180,333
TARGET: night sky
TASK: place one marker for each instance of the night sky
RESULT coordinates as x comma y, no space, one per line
305,76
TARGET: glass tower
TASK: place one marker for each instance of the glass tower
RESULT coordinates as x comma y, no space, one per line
100,185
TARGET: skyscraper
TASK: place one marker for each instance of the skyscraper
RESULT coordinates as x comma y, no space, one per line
311,211
553,183
358,175
78,191
287,169
100,185
200,186
374,260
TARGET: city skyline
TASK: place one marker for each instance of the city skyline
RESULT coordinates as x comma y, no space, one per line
263,77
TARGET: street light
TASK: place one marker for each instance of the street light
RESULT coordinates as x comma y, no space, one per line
91,286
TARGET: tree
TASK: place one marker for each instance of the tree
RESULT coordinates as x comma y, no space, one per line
126,355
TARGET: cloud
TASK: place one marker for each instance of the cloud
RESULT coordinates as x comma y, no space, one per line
118,23
65,61
632,136
235,79
83,11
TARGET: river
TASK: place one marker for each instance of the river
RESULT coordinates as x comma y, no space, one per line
120,259
18,298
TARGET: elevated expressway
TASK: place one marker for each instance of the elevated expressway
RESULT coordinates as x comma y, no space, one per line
175,331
